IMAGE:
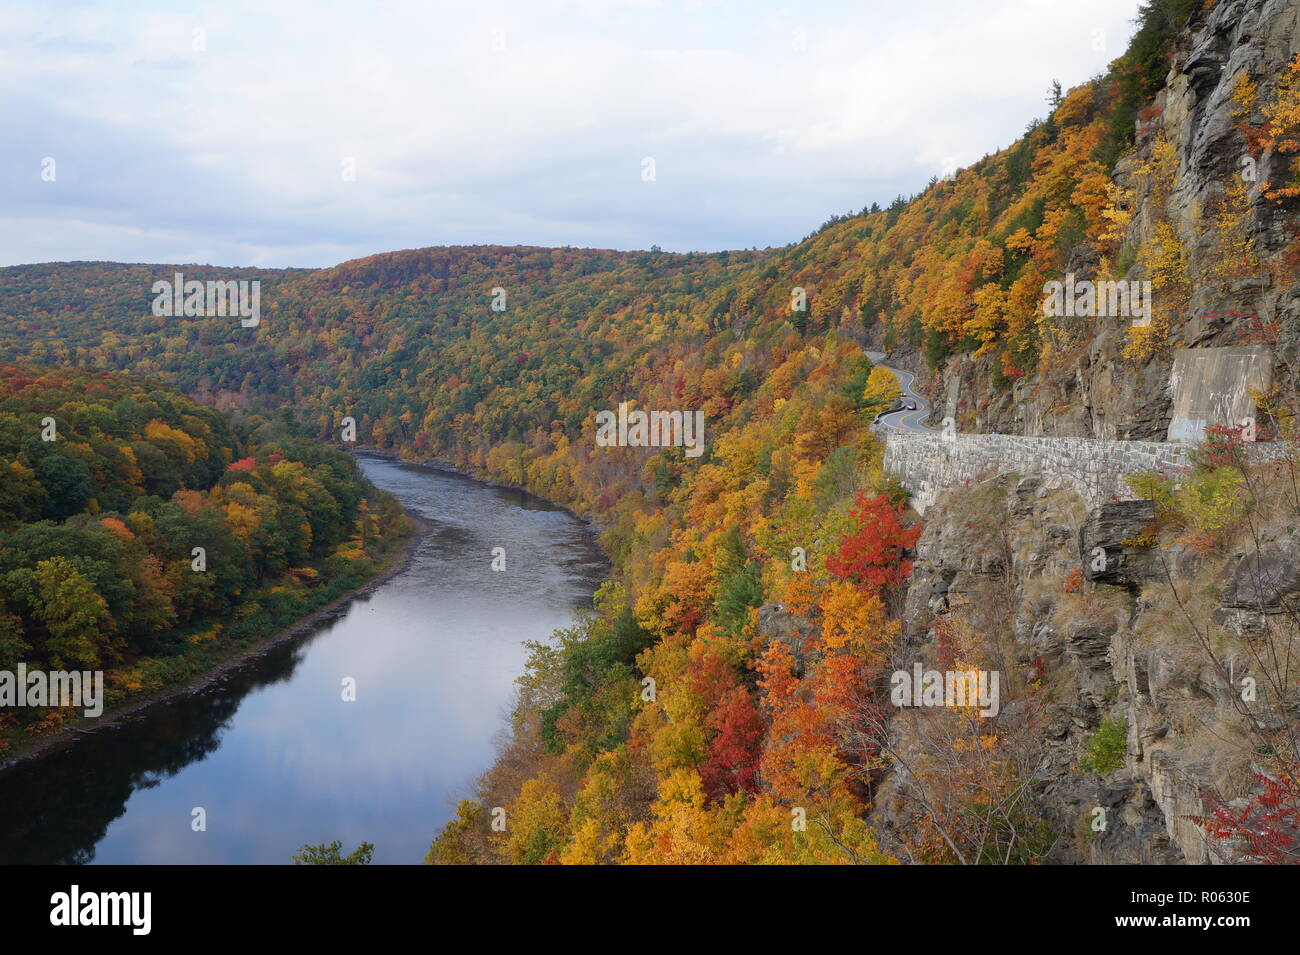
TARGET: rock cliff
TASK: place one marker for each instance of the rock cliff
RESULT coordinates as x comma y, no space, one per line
1138,664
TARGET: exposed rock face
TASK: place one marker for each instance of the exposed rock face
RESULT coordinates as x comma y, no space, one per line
1266,581
1009,523
1135,830
999,554
1250,38
1115,528
777,622
1101,394
957,559
1089,645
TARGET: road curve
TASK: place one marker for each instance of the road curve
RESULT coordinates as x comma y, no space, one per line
904,420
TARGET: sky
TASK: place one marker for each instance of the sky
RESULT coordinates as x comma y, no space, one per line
276,133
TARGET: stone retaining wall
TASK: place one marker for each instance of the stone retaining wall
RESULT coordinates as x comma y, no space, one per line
1095,469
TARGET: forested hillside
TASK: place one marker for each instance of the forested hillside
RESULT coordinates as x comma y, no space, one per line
680,722
144,535
414,344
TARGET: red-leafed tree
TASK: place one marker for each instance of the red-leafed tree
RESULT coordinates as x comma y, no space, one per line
243,464
871,555
736,747
1266,828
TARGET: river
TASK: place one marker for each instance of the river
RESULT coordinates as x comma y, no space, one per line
272,753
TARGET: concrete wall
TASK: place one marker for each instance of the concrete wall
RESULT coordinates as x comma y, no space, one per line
1212,386
1095,469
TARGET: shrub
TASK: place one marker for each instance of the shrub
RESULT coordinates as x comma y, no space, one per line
1212,500
1107,749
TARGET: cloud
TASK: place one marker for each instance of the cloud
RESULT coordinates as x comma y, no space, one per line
220,133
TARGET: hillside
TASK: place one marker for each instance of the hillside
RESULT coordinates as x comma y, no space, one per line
733,678
144,535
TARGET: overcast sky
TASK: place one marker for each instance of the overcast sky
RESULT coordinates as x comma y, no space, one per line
222,133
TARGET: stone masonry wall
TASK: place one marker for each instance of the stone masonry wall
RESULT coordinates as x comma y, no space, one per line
1095,469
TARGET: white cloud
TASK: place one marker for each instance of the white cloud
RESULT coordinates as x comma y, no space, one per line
508,122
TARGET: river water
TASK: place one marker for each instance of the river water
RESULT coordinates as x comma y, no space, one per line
273,754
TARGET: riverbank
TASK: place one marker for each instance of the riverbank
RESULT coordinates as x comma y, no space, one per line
278,756
394,563
597,525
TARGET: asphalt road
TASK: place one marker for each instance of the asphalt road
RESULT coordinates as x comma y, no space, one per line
904,420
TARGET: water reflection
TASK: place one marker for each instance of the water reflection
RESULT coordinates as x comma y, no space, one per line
273,754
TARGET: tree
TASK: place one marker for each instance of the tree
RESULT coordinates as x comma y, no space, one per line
1266,827
881,391
72,611
736,747
1054,94
13,648
537,824
66,482
332,854
871,555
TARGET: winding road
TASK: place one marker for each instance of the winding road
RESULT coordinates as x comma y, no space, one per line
904,420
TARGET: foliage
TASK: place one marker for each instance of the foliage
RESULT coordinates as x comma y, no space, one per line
332,854
1265,824
880,392
1107,749
722,688
1281,130
409,345
99,528
871,555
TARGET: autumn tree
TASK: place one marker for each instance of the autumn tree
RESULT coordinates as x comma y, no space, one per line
871,554
881,391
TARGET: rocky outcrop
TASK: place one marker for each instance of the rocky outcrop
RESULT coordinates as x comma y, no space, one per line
1266,580
778,622
1098,393
1254,39
1124,658
1110,543
1003,555
1135,830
